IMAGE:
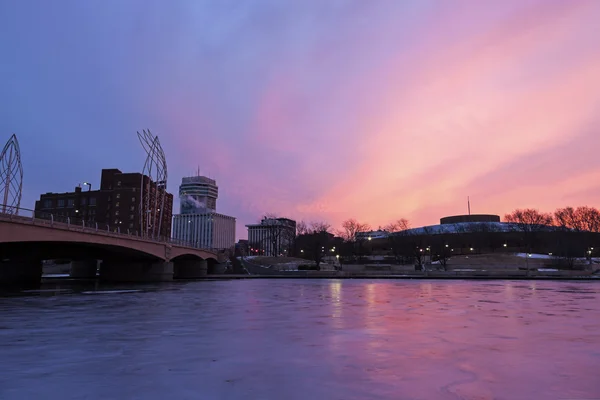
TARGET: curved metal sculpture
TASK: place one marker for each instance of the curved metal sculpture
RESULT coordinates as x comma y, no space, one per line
11,176
153,186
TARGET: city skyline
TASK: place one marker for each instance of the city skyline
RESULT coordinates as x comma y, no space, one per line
315,111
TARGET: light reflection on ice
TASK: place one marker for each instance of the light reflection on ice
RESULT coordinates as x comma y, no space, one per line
306,339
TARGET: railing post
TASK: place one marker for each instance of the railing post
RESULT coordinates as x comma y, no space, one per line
96,227
118,229
83,224
68,221
52,220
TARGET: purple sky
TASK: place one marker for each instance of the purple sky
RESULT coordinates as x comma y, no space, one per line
313,109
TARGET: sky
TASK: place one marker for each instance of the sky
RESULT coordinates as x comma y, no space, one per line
317,110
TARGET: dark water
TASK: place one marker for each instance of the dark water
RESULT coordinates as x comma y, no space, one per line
305,339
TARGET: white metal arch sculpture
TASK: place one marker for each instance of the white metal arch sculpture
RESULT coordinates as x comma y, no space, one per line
11,176
153,186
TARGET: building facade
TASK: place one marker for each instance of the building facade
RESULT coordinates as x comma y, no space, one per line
116,204
208,230
272,237
198,194
198,223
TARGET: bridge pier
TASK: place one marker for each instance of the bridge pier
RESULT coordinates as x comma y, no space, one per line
20,272
190,269
84,269
136,271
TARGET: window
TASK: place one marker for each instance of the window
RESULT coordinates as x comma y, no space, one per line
130,216
61,202
130,226
118,183
133,199
131,208
92,201
117,205
118,195
117,212
108,198
83,201
133,190
116,221
70,202
47,203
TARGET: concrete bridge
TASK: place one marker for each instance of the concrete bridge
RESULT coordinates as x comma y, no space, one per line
26,240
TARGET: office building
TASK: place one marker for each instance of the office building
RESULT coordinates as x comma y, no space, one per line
272,237
198,222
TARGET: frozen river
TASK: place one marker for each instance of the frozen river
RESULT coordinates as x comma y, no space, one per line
305,340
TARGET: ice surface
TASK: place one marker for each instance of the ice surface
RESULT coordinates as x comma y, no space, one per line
305,339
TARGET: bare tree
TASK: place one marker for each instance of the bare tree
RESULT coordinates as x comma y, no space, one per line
530,222
351,232
315,241
302,228
277,233
396,236
578,227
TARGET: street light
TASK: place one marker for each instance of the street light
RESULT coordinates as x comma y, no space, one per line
89,185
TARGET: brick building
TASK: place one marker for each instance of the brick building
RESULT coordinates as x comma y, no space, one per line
117,203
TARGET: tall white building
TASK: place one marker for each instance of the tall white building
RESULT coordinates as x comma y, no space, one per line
208,230
272,236
198,223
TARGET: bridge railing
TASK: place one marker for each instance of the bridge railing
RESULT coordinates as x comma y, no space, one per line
43,218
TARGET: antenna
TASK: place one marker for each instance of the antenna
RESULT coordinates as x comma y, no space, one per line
469,204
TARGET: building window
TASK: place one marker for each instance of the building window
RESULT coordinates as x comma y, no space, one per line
131,208
47,203
83,201
118,183
92,201
130,216
130,226
117,212
70,202
133,190
117,205
61,202
118,195
133,199
116,221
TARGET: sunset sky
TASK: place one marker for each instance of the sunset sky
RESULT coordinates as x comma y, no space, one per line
317,110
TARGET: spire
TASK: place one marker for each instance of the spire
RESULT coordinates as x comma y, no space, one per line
469,204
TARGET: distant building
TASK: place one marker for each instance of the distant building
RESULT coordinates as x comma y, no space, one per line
116,204
198,223
272,236
198,194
